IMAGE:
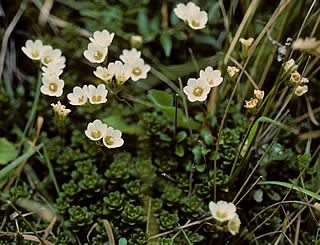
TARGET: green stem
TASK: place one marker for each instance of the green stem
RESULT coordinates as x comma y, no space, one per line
34,105
51,171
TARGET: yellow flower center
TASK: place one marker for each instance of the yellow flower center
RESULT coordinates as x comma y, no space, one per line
136,71
198,91
195,23
98,55
53,87
233,226
35,53
109,140
95,134
47,59
121,77
221,214
96,98
80,99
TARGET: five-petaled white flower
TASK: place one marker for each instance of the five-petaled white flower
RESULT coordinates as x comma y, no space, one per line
197,89
60,110
51,55
183,11
259,94
213,77
121,71
139,70
290,65
232,71
79,95
295,78
97,95
102,38
130,56
103,73
52,70
34,50
301,90
222,210
191,15
198,20
52,86
96,130
252,103
95,53
246,42
112,138
234,225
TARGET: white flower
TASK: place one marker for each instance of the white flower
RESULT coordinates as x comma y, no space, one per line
213,77
79,95
259,94
97,95
95,53
136,41
130,56
121,71
246,42
198,20
197,89
300,90
295,78
183,11
139,70
102,38
232,71
289,65
52,70
52,86
234,225
304,80
96,130
306,44
112,138
103,73
252,103
51,55
60,110
34,49
222,210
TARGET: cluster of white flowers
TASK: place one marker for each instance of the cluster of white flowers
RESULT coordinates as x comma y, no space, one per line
97,130
133,67
60,110
198,89
53,65
191,15
224,211
98,47
296,80
95,95
253,102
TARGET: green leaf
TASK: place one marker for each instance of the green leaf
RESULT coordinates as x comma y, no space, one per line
122,241
143,21
118,123
288,185
7,169
267,120
166,43
164,102
8,151
179,150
